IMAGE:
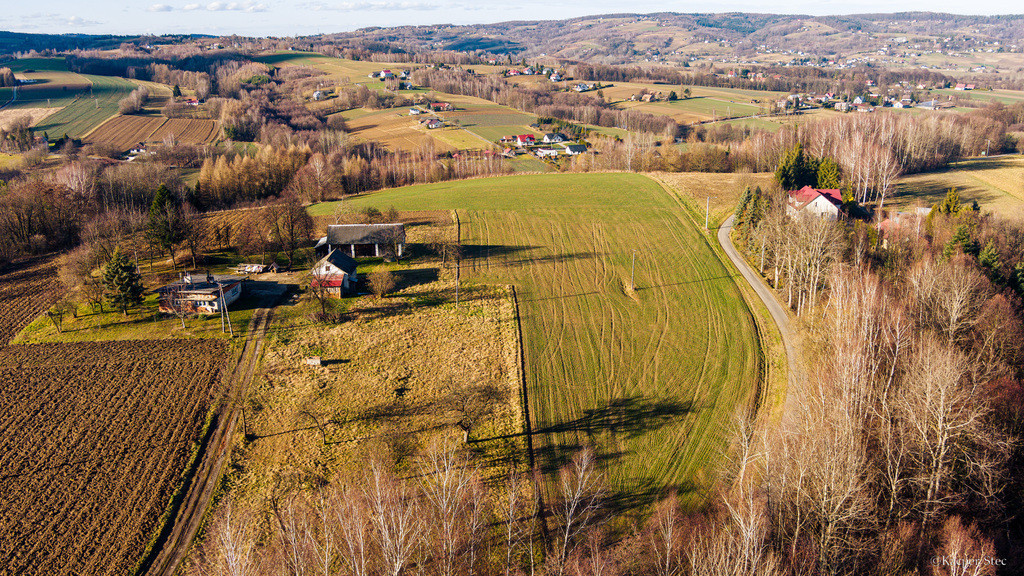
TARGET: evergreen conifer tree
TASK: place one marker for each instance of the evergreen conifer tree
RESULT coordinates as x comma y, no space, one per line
122,282
828,174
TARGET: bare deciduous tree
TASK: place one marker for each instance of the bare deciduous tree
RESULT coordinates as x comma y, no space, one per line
581,490
396,517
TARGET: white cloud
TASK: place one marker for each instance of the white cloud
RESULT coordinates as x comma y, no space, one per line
236,7
387,5
160,8
191,7
77,21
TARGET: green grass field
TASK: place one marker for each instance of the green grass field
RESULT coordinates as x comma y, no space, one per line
651,377
1004,96
86,101
86,112
356,70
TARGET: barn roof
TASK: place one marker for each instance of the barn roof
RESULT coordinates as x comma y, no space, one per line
340,234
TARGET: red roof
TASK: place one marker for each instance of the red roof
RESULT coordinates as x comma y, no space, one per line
328,282
808,194
526,137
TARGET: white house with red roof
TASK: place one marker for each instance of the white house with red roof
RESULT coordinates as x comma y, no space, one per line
526,140
824,202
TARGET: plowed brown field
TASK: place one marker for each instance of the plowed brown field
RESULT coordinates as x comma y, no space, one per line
94,438
26,291
186,130
124,132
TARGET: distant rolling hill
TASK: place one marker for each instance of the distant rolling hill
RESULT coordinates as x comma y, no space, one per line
615,38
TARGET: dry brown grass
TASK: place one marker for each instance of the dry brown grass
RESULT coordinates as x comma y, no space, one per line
386,389
397,131
36,115
724,190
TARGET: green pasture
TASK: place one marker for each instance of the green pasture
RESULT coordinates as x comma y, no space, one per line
651,377
89,110
710,107
1005,96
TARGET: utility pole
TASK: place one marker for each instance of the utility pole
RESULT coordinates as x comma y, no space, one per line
632,273
221,308
224,305
707,214
987,141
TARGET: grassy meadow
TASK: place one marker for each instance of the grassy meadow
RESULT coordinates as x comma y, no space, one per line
85,101
652,376
996,183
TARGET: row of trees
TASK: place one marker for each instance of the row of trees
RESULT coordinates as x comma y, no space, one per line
315,177
898,449
440,517
873,150
134,101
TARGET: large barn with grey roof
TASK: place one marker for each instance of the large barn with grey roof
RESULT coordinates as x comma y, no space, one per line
357,240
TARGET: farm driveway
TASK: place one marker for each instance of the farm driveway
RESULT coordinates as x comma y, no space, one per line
174,545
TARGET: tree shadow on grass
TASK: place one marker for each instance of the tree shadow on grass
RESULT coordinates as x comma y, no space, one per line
621,418
476,256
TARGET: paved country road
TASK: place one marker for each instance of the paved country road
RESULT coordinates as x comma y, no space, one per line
779,314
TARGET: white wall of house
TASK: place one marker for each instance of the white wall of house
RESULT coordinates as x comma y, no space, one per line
818,207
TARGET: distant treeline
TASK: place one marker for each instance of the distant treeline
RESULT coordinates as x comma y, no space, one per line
556,104
789,79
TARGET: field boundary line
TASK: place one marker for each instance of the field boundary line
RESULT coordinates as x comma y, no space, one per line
525,395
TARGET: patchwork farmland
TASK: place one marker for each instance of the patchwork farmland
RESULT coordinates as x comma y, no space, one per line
651,376
83,101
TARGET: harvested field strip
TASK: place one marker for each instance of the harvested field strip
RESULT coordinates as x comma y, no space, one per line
651,377
94,440
186,130
124,132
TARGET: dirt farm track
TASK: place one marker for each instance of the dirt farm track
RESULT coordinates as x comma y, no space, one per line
95,438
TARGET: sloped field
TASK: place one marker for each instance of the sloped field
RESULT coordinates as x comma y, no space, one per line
651,377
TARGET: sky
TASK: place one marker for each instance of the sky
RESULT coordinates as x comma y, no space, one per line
302,17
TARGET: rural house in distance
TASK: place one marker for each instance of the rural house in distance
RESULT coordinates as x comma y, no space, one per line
364,240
